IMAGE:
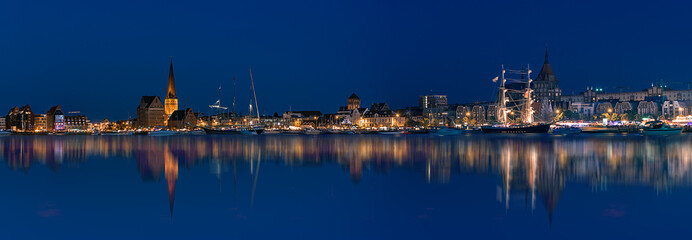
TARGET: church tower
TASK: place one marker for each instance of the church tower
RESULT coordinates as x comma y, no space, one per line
171,102
546,85
353,102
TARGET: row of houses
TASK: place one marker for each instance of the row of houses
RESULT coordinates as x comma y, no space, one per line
23,119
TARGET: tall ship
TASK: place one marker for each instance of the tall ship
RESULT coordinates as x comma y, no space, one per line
514,106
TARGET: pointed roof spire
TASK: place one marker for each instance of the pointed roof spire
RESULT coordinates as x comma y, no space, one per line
546,73
171,83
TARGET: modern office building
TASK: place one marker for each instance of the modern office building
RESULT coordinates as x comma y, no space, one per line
76,123
40,123
432,101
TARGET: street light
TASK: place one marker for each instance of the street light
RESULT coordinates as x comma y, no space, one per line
557,111
610,110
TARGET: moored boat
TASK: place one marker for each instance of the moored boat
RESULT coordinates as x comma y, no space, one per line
162,133
391,132
600,130
510,110
659,128
448,131
538,128
312,131
566,130
114,133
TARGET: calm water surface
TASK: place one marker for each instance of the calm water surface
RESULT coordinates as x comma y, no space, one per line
345,187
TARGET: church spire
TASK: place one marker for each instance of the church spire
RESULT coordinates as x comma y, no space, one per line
171,100
544,62
171,83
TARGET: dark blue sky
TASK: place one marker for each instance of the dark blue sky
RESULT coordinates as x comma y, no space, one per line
101,57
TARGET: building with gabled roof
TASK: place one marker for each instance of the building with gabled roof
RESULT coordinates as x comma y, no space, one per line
20,119
150,112
182,119
55,119
546,86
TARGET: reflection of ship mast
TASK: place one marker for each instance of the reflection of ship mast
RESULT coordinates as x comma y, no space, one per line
235,180
254,181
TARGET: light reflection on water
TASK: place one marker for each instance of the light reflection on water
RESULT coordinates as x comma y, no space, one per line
535,169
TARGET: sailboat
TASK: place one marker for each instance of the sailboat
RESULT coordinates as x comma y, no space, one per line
251,129
521,106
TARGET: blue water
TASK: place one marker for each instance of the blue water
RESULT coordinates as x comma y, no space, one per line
345,187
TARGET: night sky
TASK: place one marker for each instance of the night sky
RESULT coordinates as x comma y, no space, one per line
100,57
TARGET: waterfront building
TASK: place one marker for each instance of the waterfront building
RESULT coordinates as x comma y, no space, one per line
432,101
672,109
2,123
55,119
182,119
150,112
20,119
583,110
654,92
546,86
297,118
76,123
40,123
349,117
647,108
353,102
413,116
434,108
604,107
380,115
622,107
478,113
171,99
349,114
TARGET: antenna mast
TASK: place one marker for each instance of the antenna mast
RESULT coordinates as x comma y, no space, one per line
234,112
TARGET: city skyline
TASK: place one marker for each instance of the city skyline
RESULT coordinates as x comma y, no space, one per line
324,52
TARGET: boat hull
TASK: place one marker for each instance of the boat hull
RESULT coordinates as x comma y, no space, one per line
565,131
540,128
162,133
234,131
600,130
662,132
449,132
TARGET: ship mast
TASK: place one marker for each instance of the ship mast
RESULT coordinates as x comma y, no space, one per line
255,95
502,107
528,109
